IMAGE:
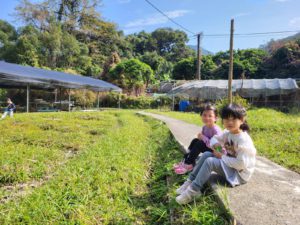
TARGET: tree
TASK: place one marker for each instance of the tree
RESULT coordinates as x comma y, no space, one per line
246,62
78,18
284,62
168,43
8,37
7,32
207,67
162,68
185,69
26,49
222,71
110,63
131,74
26,52
251,59
141,43
164,71
52,44
171,44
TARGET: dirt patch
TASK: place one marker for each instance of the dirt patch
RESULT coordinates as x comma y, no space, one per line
96,132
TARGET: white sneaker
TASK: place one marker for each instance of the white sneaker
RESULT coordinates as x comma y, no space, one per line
183,187
187,196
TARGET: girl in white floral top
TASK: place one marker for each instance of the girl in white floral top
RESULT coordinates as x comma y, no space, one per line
236,166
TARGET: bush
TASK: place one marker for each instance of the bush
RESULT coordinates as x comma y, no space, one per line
84,98
235,99
130,102
3,95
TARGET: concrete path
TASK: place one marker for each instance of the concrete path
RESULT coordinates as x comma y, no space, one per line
271,197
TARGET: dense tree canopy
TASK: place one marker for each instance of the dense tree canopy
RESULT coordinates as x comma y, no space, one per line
131,74
72,35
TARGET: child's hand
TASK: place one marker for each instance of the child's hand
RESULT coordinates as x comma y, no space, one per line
217,154
217,147
199,136
217,150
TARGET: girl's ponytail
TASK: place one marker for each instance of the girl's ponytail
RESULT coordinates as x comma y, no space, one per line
245,127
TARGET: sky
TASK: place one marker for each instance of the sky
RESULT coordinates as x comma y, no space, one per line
209,17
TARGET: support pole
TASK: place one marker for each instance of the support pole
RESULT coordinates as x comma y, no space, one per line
173,103
55,95
60,103
199,56
98,101
84,106
280,99
230,75
119,101
173,97
69,100
27,98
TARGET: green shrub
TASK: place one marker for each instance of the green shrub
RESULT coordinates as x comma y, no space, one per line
132,102
84,98
3,95
235,99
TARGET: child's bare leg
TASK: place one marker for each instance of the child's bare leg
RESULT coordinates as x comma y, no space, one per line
4,115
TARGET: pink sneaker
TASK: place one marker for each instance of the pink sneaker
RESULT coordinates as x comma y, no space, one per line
184,169
175,166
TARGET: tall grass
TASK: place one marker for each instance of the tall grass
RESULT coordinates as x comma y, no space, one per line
96,168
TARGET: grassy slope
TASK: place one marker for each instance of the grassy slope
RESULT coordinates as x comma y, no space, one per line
275,134
105,168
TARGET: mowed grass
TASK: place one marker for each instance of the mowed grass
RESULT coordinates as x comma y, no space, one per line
276,135
108,167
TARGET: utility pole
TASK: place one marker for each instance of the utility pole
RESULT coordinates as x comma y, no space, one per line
230,75
198,74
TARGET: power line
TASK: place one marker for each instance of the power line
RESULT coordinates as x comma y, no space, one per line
239,36
256,34
170,18
252,34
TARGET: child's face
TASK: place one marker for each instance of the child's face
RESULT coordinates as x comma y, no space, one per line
233,124
208,117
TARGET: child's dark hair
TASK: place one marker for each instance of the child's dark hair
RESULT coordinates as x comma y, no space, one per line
237,112
208,107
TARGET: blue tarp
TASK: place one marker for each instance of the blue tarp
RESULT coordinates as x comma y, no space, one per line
14,75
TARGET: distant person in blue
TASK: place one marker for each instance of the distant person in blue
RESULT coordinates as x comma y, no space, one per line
9,109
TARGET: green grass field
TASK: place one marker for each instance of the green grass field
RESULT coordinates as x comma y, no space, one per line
110,167
276,135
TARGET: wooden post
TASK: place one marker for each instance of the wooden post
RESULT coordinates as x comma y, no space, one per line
230,75
27,98
199,55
